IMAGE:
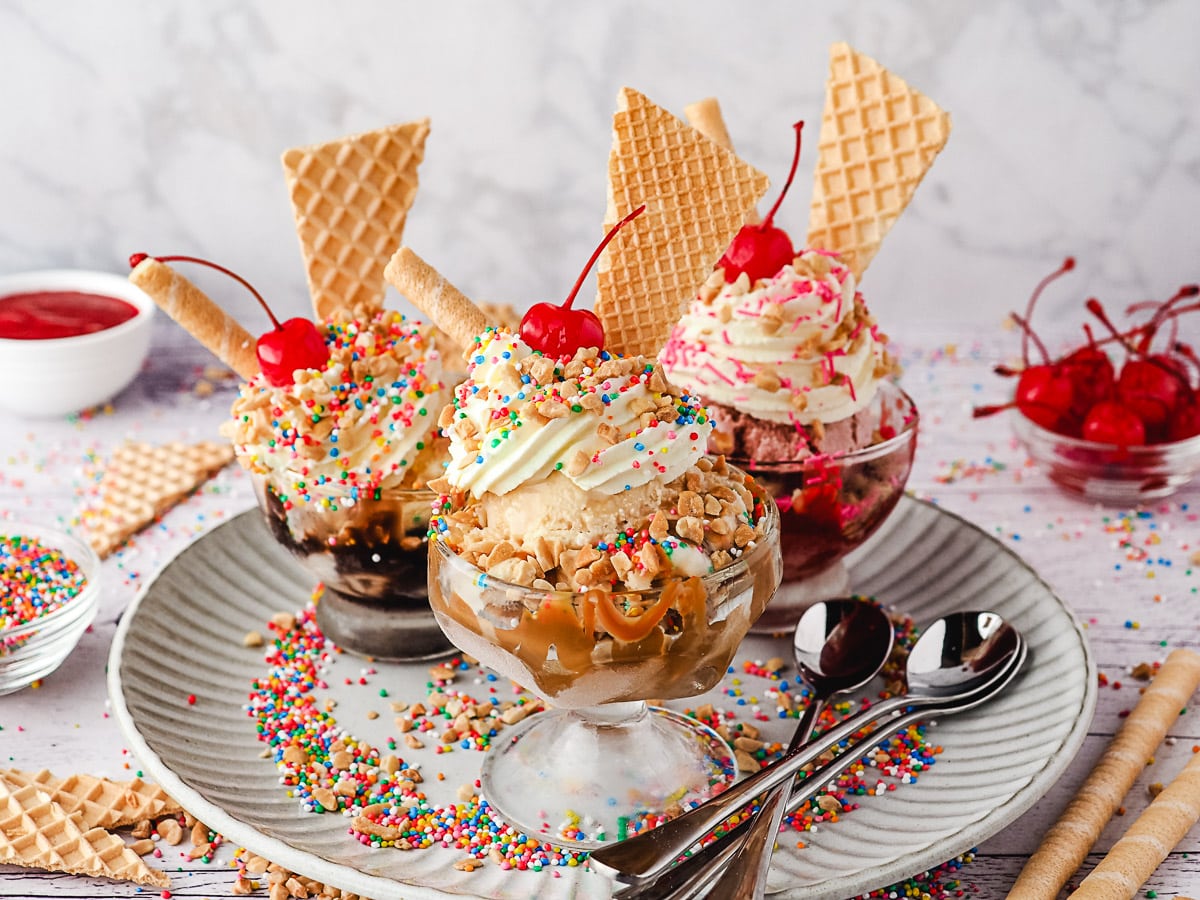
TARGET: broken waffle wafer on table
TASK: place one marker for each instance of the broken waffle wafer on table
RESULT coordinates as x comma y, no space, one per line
35,832
141,482
879,137
351,199
697,196
97,802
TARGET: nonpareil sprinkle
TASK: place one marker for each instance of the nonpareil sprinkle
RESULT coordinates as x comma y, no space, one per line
35,580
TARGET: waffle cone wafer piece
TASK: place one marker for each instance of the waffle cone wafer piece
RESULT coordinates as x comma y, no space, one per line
878,138
36,833
198,314
1069,839
426,288
705,116
97,802
1149,839
351,198
697,196
142,481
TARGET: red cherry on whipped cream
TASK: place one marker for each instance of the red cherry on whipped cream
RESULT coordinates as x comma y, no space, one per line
760,249
291,345
559,331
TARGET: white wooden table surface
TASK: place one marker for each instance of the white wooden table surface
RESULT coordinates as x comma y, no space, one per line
1132,576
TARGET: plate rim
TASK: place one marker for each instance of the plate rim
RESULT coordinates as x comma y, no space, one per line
381,887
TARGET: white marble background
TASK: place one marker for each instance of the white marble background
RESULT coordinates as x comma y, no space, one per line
157,126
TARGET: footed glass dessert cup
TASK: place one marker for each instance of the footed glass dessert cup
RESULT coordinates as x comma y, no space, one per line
370,556
601,763
830,504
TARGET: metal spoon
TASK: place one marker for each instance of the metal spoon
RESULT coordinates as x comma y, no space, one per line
960,661
839,646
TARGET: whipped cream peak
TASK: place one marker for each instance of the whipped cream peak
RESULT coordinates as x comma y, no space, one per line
608,423
799,347
364,423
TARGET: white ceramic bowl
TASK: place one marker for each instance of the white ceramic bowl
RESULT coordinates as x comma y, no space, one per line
57,376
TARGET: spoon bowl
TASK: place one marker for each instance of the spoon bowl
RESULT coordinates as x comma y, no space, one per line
840,645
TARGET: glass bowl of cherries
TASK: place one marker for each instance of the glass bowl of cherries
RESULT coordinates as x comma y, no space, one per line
1116,419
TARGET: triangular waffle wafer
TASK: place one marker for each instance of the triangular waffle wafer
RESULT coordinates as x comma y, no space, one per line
697,196
97,802
36,833
143,481
878,138
351,198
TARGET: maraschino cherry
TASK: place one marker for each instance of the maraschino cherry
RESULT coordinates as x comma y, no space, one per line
559,331
760,249
291,345
1153,398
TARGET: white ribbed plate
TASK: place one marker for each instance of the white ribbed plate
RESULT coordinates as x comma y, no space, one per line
183,636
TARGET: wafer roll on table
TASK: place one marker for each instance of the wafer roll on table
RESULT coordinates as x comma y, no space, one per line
1068,841
427,289
203,319
1138,853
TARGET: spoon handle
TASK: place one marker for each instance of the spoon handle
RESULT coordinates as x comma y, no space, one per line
647,855
744,877
696,874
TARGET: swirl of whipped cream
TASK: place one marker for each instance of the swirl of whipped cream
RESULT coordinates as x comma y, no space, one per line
798,347
609,424
365,422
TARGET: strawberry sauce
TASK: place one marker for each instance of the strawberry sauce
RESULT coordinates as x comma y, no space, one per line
45,315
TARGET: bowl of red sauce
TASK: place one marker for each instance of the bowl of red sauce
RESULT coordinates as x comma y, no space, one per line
69,339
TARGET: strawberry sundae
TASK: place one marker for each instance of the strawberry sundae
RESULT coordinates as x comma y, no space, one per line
780,345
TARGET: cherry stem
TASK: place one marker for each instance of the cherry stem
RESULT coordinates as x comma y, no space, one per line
1097,309
234,275
770,217
1164,311
1026,335
1067,265
596,255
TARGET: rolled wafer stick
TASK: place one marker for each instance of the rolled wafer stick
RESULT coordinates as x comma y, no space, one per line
445,305
1135,856
705,116
1072,836
198,314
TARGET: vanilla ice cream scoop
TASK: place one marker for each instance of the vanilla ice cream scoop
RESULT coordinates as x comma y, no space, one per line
606,423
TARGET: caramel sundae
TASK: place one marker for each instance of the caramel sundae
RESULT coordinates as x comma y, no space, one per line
585,545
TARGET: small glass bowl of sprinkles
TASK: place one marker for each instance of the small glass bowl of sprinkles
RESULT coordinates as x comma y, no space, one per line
49,595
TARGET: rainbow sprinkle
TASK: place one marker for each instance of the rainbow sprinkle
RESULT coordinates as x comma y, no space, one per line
35,580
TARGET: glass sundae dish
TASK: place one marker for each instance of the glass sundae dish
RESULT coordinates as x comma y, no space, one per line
596,574
831,503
